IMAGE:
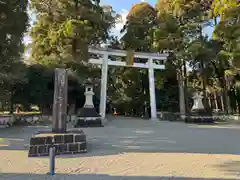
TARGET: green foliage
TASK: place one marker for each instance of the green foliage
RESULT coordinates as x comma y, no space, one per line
228,31
64,30
38,89
13,23
138,28
220,7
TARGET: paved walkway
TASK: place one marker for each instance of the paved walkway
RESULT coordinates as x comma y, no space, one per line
132,149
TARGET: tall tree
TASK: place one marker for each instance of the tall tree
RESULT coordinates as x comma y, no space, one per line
179,23
137,36
138,28
227,32
64,30
13,23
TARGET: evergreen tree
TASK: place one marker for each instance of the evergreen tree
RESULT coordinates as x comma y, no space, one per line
64,30
13,25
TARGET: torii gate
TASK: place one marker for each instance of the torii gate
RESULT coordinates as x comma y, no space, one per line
105,62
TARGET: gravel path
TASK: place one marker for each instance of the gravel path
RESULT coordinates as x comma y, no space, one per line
131,149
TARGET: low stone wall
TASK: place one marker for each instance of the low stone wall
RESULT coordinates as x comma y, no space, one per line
170,116
6,120
28,119
70,118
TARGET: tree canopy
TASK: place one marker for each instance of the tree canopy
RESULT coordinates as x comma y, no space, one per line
13,25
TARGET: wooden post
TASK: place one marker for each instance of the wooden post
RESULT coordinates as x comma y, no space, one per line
59,120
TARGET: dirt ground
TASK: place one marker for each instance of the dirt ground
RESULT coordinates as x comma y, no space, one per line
131,149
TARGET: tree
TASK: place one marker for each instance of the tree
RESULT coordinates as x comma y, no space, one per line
137,30
64,30
220,6
227,33
13,23
137,36
179,23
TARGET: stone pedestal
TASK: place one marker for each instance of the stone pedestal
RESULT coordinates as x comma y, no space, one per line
198,113
71,142
88,116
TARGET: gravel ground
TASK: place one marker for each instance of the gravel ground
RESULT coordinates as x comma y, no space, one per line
131,149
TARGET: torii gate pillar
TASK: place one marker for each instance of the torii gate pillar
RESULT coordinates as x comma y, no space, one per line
103,98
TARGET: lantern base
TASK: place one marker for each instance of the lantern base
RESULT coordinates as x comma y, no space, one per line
88,117
94,122
88,112
200,116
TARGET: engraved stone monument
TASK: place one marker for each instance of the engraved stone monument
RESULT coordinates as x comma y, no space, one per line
59,119
65,142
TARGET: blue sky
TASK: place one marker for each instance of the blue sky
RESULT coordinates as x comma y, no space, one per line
123,6
118,5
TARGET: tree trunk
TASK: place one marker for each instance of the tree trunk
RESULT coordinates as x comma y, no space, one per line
181,94
215,100
11,109
226,100
204,84
185,88
222,102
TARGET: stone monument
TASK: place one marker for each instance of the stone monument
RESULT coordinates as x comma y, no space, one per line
198,112
59,118
65,142
88,116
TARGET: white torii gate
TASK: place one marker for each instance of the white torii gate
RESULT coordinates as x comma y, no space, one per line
105,62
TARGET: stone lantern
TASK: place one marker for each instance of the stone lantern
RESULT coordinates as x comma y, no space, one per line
88,116
197,102
89,95
198,113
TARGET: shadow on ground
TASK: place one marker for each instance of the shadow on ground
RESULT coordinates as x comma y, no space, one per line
95,177
17,137
230,167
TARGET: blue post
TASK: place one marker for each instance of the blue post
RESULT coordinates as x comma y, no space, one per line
52,161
